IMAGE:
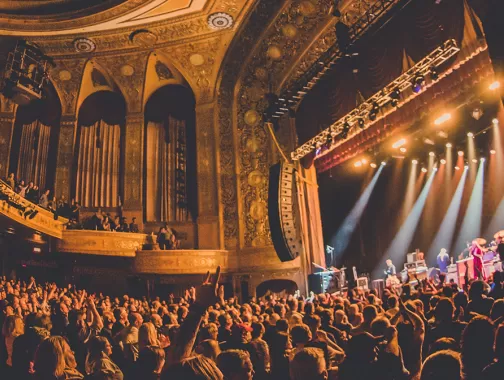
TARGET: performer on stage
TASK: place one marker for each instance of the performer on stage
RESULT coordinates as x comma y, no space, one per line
499,240
477,252
443,260
391,271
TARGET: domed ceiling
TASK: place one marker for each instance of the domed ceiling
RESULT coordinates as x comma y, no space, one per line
23,8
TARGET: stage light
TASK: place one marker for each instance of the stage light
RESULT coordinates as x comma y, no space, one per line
403,150
395,96
494,86
474,161
493,151
358,164
399,143
457,168
383,163
460,153
364,161
482,159
443,161
434,74
373,165
435,169
432,154
449,145
418,83
424,170
361,123
495,121
374,112
414,162
443,118
470,134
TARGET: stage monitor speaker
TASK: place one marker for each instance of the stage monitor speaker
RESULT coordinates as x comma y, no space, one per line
283,212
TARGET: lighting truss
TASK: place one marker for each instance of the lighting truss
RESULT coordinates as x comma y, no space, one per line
352,123
292,96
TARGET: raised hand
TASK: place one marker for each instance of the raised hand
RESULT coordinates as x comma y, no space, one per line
208,293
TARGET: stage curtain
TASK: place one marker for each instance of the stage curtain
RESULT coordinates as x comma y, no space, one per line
97,183
165,171
33,152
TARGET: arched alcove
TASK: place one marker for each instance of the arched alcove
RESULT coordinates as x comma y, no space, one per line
98,161
35,139
170,156
276,286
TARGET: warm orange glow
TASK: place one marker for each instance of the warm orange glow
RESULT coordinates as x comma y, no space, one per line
457,168
432,154
399,143
364,161
460,153
443,161
449,145
414,162
493,151
470,134
443,118
358,164
424,170
373,165
403,150
494,86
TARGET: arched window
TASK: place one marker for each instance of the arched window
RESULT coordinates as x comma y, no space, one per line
33,148
99,145
169,155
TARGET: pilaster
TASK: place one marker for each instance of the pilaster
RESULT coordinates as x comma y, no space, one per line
6,131
64,160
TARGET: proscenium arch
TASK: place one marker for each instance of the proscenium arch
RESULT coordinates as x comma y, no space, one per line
178,101
110,107
48,112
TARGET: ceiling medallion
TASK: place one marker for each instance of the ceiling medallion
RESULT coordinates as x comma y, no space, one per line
127,70
143,37
84,45
220,20
65,75
197,59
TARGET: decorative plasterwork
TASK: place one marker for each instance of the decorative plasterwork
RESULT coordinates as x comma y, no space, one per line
66,78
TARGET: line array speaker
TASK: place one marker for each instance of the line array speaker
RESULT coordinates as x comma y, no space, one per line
283,212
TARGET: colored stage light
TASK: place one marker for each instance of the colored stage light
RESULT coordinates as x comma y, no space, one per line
414,162
432,154
383,163
494,86
364,161
443,161
475,161
460,153
403,150
399,143
373,165
424,170
457,168
470,134
449,145
358,164
493,151
482,159
443,118
495,121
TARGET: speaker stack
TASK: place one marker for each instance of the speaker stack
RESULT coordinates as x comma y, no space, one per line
283,212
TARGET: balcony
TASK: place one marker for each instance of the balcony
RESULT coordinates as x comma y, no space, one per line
25,213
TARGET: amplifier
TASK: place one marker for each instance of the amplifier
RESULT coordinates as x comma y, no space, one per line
322,282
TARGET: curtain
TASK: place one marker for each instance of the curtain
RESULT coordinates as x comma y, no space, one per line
166,171
97,183
33,152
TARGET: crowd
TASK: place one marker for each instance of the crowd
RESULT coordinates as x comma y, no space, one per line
429,331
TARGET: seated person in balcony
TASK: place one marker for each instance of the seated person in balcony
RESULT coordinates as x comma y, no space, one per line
34,194
123,226
29,191
161,238
116,224
44,200
75,210
95,222
11,181
106,224
170,238
133,227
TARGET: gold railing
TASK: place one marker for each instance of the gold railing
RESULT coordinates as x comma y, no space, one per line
104,243
26,213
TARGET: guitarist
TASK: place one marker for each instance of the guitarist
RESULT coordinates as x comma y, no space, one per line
477,252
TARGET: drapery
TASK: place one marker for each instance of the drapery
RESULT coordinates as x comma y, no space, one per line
33,152
166,171
97,179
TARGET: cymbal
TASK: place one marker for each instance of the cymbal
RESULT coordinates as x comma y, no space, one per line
479,241
499,234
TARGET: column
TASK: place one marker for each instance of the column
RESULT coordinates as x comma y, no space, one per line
132,175
65,158
208,219
6,129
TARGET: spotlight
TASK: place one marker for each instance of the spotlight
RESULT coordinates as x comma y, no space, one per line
470,134
432,154
360,122
482,159
364,161
414,162
443,118
443,161
457,168
399,143
383,163
358,164
424,170
434,74
460,153
449,145
403,150
475,161
494,86
374,112
346,126
395,96
495,121
435,169
466,167
418,83
493,151
373,165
